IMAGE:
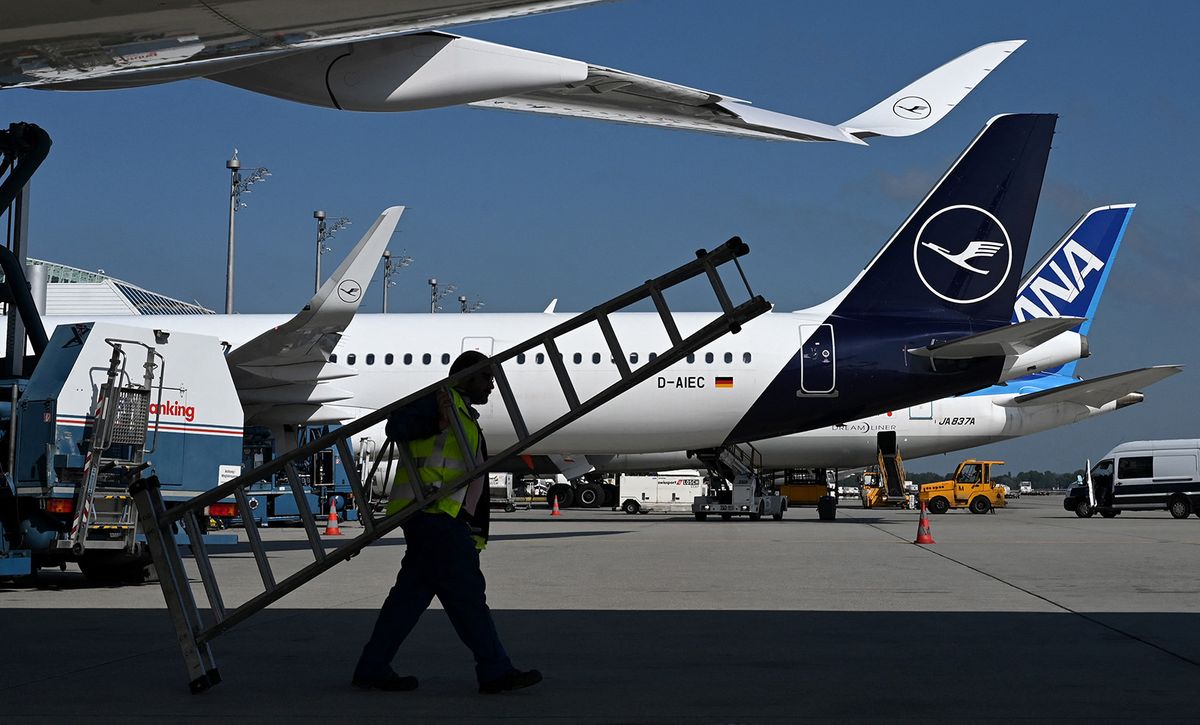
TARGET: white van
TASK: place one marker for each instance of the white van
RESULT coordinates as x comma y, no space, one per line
1142,476
671,491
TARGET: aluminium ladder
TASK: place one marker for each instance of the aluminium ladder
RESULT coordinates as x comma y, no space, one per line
195,632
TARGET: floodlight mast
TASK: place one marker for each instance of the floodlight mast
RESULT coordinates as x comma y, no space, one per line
324,232
237,187
392,265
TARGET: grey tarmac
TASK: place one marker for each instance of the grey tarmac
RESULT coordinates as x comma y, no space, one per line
1029,614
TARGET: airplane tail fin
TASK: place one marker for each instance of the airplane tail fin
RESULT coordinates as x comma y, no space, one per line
959,255
928,99
1069,280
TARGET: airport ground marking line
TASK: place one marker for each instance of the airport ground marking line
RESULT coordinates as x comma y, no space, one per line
1051,602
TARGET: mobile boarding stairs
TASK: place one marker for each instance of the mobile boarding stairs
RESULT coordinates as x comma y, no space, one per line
195,631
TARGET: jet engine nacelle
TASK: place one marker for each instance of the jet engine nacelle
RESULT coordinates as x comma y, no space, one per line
405,73
1058,350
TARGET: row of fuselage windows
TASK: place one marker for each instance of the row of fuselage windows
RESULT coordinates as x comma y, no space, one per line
539,358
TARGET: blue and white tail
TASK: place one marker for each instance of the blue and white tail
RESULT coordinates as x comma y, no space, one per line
1069,280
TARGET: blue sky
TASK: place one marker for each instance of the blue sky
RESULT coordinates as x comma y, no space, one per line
516,209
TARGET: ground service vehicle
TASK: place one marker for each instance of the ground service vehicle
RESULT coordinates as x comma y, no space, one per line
735,488
971,488
885,486
105,406
669,491
1141,476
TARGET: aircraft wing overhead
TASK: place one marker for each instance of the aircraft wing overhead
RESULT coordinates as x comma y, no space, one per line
1098,391
608,94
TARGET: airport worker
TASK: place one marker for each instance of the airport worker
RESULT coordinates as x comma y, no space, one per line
442,541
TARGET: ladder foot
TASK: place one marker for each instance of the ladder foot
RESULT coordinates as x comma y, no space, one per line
205,681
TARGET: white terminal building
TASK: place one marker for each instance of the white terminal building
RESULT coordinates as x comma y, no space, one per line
62,290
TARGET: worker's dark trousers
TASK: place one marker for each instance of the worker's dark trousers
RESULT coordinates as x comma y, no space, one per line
441,560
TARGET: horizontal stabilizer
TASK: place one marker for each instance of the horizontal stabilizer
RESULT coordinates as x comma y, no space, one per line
1002,341
1098,391
928,99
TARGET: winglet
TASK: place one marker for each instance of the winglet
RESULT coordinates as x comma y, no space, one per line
312,334
928,99
550,307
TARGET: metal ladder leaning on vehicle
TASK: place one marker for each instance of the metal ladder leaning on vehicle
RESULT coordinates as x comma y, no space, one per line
195,635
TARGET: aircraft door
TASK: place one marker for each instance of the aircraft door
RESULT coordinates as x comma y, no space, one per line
818,360
481,344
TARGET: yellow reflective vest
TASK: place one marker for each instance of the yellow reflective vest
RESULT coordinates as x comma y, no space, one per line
439,459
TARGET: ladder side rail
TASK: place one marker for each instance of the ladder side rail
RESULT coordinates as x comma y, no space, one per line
356,487
510,401
173,580
560,370
306,517
724,253
254,538
204,566
709,333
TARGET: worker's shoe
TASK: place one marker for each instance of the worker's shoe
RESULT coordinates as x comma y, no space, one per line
391,682
512,680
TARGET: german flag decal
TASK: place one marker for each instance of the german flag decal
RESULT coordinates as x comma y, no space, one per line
724,382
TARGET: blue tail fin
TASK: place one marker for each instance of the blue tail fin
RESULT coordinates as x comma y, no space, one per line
1069,280
959,254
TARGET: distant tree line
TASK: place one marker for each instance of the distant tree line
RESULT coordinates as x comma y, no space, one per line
1039,479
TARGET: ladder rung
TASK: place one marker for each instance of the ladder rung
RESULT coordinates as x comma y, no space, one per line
564,380
664,312
252,535
204,566
414,476
356,487
306,517
614,346
510,401
460,435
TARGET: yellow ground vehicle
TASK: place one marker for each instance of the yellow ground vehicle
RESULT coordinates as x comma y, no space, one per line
971,488
884,486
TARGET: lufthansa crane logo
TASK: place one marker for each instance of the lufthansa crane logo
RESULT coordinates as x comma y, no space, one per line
349,291
963,254
912,108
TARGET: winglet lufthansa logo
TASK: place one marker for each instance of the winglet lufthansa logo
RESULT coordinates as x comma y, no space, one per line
912,108
349,290
962,254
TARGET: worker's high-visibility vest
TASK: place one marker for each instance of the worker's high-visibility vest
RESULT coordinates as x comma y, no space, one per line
438,459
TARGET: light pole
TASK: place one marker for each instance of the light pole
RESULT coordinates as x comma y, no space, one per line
464,306
237,187
390,267
325,231
436,293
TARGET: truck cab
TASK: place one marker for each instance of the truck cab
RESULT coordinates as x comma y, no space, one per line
971,488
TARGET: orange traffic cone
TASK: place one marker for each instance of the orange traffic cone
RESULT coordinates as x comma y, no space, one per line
554,509
924,535
331,529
